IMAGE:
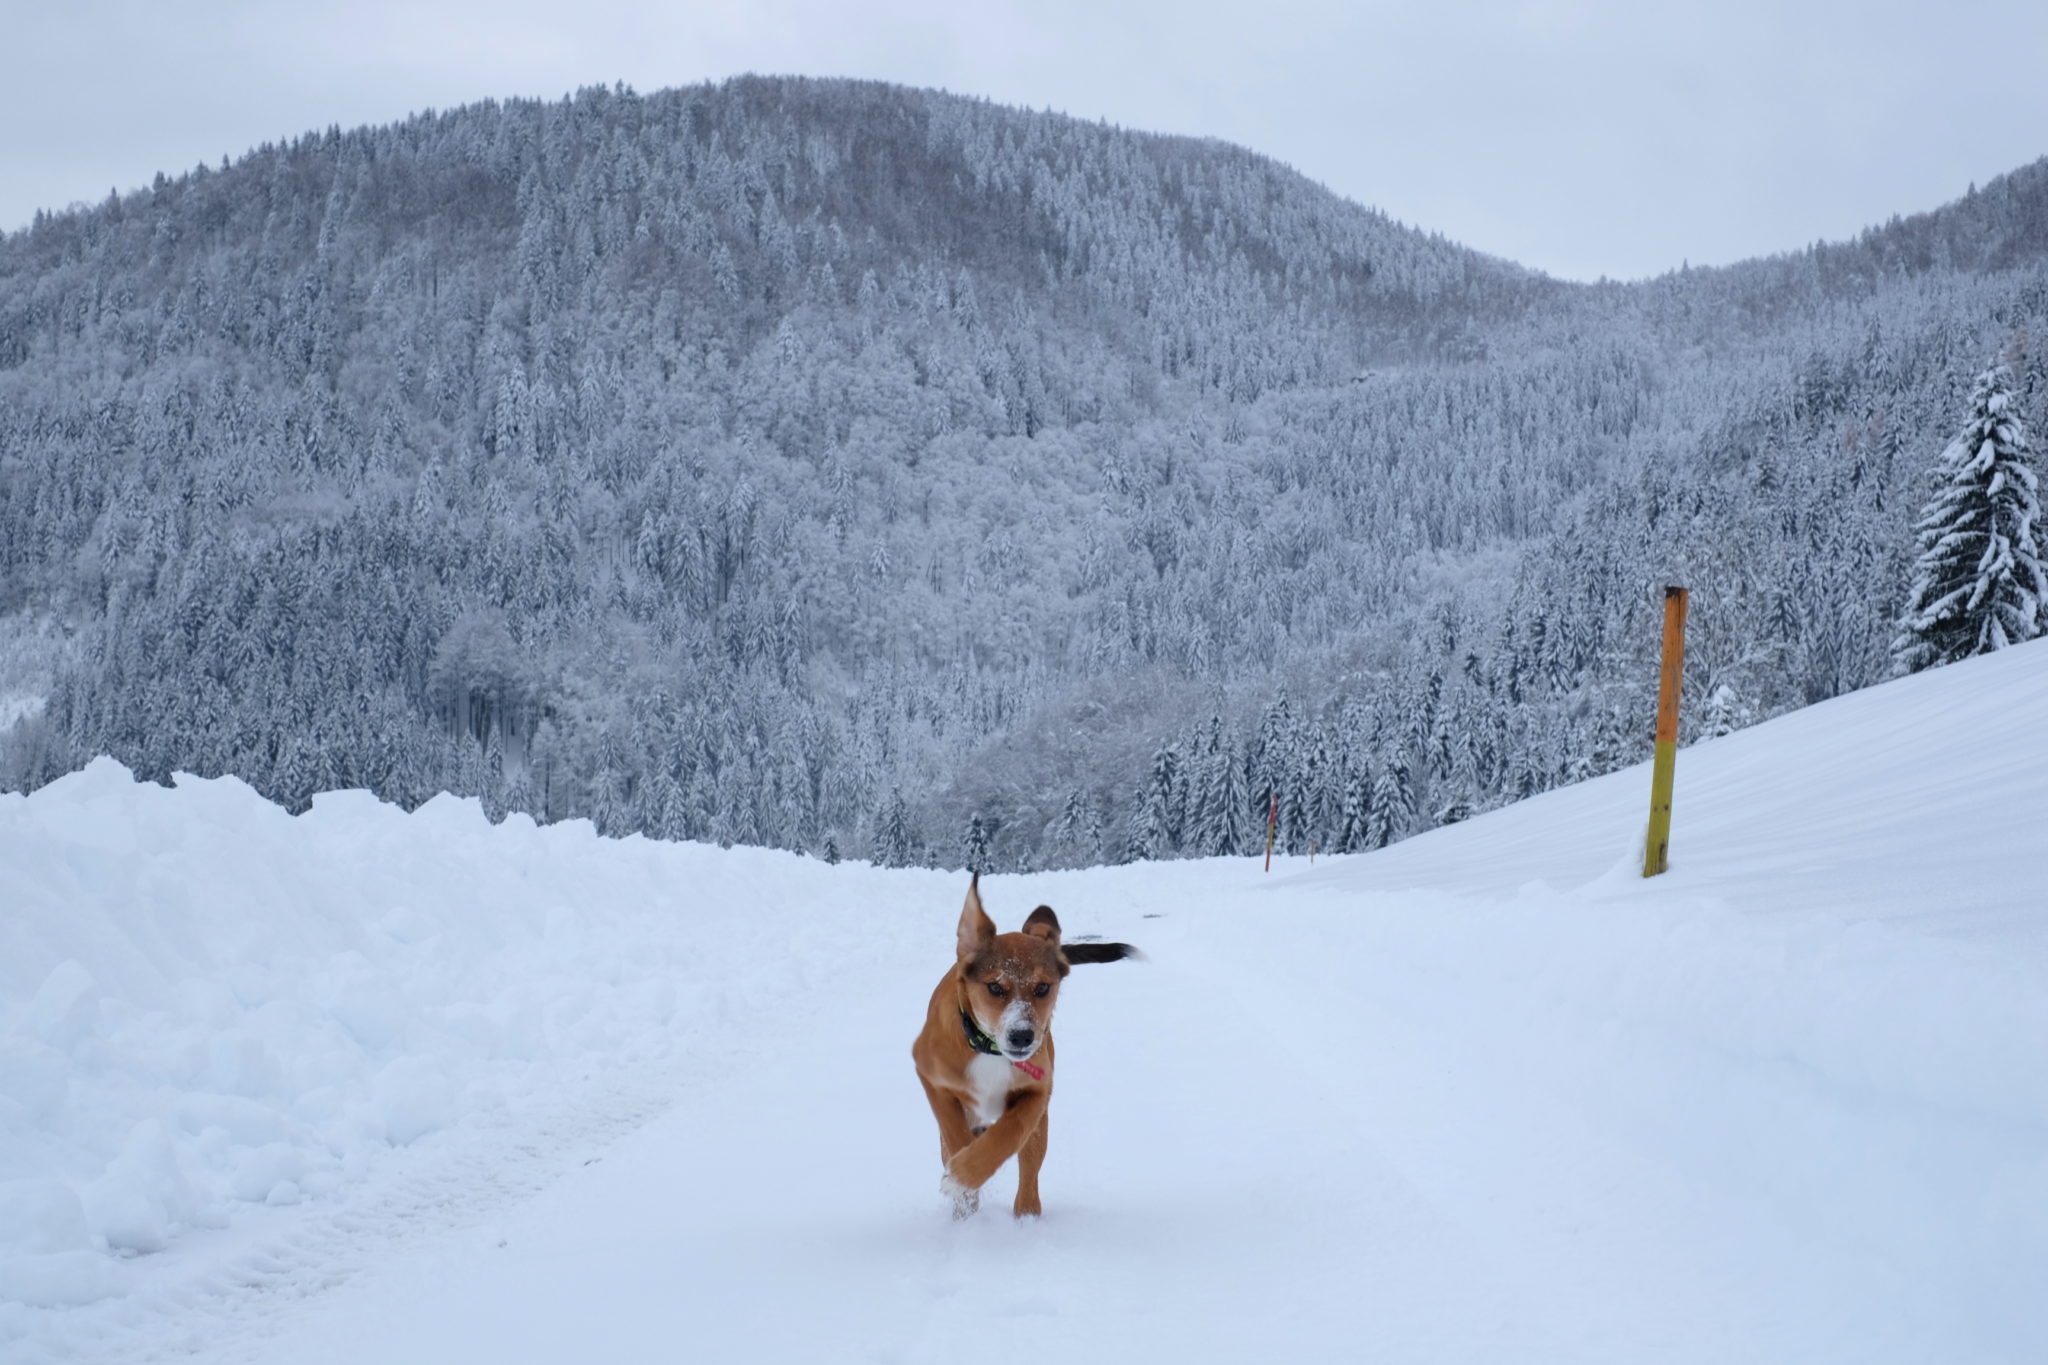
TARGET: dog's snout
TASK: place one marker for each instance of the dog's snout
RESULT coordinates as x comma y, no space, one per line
1020,1037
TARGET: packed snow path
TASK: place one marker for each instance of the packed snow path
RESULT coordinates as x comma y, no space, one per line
1484,1096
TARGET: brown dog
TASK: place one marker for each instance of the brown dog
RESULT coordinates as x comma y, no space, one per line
985,1054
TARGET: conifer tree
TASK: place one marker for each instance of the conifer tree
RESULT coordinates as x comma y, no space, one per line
1978,584
1091,835
892,847
1726,712
1353,822
1077,837
974,844
1136,847
669,820
1393,806
1233,804
1153,820
1217,825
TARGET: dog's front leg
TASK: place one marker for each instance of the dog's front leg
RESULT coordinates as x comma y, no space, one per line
954,1135
971,1167
953,1131
1030,1157
966,1202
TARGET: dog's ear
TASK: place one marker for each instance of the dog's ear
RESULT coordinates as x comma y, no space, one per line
1044,924
977,930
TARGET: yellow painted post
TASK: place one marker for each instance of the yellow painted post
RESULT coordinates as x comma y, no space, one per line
1657,848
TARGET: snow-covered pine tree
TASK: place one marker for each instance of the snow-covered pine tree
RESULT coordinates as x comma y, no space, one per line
1153,822
974,844
1978,583
1726,712
1393,805
1136,848
892,845
671,807
1353,821
1233,828
1219,823
1091,835
1273,760
1066,833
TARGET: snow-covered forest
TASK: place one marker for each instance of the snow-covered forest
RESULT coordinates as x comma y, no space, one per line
882,473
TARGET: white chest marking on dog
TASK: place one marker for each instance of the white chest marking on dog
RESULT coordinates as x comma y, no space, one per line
990,1077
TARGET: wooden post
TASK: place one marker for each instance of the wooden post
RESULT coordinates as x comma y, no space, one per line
1657,848
1272,819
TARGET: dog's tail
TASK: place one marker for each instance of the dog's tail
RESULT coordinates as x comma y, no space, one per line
1078,953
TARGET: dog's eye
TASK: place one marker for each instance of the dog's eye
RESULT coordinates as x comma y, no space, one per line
997,988
1041,988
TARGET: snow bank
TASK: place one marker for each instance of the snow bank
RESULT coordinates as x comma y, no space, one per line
1856,889
1831,1010
207,1005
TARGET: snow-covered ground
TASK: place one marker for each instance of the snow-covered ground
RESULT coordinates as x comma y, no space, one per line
368,1086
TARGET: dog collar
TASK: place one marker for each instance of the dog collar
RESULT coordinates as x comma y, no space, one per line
976,1039
986,1045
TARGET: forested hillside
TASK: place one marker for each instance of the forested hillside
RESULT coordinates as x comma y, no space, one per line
881,473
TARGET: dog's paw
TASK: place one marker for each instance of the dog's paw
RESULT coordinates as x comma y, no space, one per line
966,1202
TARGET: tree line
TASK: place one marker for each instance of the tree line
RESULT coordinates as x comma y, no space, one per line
883,474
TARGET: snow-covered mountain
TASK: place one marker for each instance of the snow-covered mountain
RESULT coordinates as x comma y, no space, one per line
869,471
368,1085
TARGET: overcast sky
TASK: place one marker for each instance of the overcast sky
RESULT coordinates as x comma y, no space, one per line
1582,137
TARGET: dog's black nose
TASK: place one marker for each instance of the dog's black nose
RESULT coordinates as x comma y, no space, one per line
1020,1037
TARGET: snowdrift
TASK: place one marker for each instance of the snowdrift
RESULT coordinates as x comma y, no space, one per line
208,1005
